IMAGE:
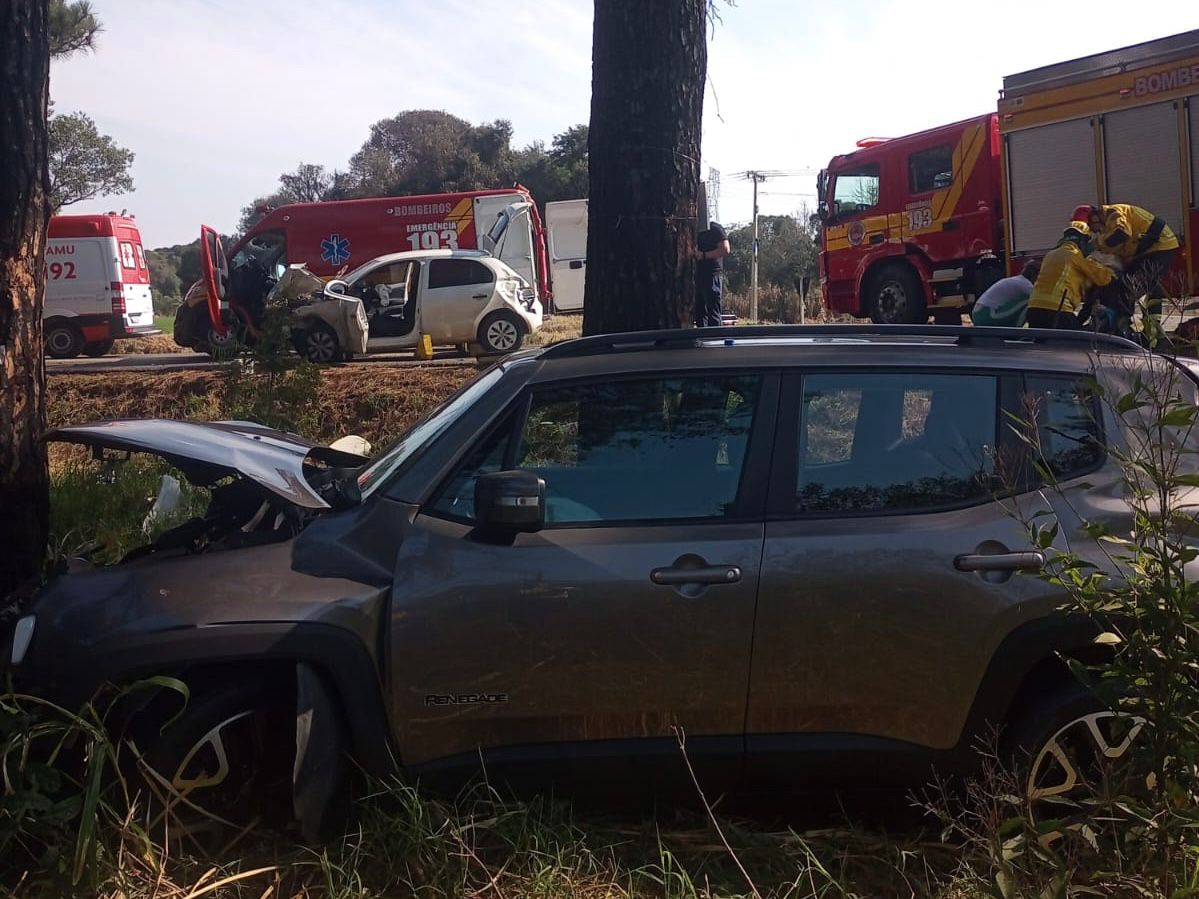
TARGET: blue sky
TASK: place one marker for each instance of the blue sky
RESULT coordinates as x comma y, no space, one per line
217,97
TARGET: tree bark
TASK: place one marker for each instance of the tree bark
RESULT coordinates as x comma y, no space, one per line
649,64
24,212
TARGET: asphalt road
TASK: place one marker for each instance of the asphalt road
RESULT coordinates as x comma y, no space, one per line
166,362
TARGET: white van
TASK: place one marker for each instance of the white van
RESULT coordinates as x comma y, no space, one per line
97,285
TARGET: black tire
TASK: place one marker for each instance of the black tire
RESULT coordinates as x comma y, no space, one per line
62,340
220,346
501,332
251,725
98,348
896,297
318,343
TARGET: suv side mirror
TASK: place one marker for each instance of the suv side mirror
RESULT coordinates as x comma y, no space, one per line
510,501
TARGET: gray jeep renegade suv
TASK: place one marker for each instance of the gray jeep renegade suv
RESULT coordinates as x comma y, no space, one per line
794,546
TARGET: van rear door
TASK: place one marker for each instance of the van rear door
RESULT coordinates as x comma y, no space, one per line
134,277
516,247
566,224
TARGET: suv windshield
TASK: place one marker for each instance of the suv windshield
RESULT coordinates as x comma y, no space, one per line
408,448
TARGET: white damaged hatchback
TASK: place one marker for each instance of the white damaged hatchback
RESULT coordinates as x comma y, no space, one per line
456,297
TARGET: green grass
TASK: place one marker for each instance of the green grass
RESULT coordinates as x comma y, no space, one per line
98,510
165,323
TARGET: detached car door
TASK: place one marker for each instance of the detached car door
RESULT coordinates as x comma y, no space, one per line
630,615
890,573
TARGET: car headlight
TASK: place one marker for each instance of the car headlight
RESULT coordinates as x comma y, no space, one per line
22,636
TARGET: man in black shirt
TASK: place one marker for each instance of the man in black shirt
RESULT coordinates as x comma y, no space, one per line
712,247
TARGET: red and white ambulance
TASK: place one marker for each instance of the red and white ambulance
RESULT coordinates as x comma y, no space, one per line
97,285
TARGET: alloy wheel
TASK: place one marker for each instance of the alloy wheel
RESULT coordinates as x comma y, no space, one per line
1083,763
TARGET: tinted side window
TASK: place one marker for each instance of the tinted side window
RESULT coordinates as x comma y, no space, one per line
930,169
646,450
1069,438
896,442
457,273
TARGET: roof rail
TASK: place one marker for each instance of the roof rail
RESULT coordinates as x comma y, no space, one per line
962,335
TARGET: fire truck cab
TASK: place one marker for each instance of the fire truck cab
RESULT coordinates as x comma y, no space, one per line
911,225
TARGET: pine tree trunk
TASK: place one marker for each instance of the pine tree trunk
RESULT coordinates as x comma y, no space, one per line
649,64
24,211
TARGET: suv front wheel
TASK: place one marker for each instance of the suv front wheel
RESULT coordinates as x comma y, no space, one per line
222,764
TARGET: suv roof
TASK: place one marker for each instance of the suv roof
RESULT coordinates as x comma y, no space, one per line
864,344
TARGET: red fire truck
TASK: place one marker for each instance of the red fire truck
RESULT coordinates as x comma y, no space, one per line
922,224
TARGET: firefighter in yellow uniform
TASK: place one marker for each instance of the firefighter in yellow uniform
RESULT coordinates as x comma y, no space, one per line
1059,296
1143,243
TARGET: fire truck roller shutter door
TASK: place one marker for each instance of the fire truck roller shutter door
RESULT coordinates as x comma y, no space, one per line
1051,168
1193,125
1140,149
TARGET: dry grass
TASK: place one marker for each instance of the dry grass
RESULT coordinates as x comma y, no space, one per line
374,401
137,346
556,328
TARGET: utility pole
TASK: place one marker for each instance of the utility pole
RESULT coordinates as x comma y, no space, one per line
757,179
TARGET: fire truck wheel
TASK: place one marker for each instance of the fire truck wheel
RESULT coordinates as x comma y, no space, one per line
896,297
62,340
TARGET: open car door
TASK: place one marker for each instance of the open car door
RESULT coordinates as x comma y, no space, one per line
214,269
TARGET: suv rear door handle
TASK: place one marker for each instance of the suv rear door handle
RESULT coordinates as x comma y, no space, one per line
479,296
1025,561
708,574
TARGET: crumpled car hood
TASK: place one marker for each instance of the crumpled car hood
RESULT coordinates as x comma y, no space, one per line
208,451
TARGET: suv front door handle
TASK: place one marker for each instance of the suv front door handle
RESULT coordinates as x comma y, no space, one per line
1023,561
708,574
479,296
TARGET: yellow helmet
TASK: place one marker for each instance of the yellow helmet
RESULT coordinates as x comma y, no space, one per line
1081,227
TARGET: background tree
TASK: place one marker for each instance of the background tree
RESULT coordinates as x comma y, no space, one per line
307,184
73,28
164,281
786,251
24,210
649,62
85,163
425,151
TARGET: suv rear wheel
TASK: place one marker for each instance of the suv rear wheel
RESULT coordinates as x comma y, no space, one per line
63,340
223,764
896,297
1073,754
